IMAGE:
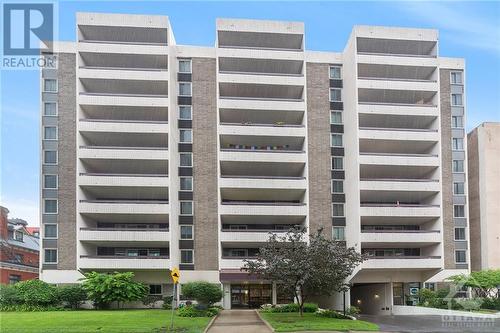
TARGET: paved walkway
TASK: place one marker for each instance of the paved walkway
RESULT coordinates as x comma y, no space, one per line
239,321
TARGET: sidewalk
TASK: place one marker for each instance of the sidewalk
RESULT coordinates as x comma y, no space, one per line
240,321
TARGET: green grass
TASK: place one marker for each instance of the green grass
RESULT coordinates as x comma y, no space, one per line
290,322
111,321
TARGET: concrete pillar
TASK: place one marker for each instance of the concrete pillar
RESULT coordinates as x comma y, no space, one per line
226,300
274,294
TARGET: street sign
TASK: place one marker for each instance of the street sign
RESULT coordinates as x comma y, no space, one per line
175,275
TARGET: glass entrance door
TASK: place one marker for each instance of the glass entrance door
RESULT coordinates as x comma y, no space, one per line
250,295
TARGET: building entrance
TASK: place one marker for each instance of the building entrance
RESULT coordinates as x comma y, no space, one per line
250,296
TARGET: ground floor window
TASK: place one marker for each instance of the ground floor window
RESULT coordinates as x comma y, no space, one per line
155,289
14,278
250,295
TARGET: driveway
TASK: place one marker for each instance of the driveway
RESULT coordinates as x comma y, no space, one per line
238,321
420,324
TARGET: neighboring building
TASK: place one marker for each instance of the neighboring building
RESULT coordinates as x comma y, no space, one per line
157,155
484,192
33,231
18,250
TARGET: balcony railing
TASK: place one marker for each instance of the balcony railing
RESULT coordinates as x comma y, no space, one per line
127,201
403,180
124,257
120,42
123,95
264,177
262,125
259,48
123,121
261,73
397,104
123,174
401,231
399,154
126,229
123,148
404,257
144,69
396,205
263,150
238,258
254,230
394,79
398,129
263,203
263,99
399,54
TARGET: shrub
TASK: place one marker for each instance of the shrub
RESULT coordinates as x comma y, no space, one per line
330,314
291,307
73,296
9,295
37,293
30,308
310,307
204,293
105,288
150,300
353,310
167,302
426,296
469,304
191,311
490,303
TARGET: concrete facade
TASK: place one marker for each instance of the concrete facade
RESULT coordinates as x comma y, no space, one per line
483,162
189,156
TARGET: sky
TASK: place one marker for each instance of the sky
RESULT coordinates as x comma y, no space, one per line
469,30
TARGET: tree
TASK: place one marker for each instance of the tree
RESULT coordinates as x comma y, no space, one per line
105,288
73,295
483,283
319,267
205,293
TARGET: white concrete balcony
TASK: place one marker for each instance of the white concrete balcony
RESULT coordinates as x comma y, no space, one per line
249,236
403,185
375,238
131,180
122,262
398,110
122,126
247,155
399,159
402,263
398,134
261,104
402,210
123,235
266,209
122,153
158,207
123,73
227,263
249,53
402,60
397,84
262,182
261,78
123,100
102,47
261,130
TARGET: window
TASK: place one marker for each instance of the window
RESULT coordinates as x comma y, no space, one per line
186,256
458,188
49,109
185,112
186,207
155,289
50,231
335,72
18,236
337,163
337,186
458,144
50,133
336,140
14,278
185,136
338,209
186,232
335,95
456,100
458,166
460,256
335,117
49,157
50,256
430,285
49,181
339,233
184,66
456,78
186,183
457,121
459,233
184,88
458,211
50,85
186,159
50,206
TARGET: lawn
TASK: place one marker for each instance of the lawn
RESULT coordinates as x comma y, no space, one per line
290,322
112,321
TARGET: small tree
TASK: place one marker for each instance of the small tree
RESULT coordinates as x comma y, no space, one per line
36,292
206,294
73,295
319,267
483,283
105,288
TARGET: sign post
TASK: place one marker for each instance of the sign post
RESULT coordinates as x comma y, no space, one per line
175,274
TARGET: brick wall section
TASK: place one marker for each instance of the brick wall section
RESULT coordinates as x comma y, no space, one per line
446,171
318,131
205,164
474,203
67,162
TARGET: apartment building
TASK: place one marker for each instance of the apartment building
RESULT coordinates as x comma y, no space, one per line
158,155
484,188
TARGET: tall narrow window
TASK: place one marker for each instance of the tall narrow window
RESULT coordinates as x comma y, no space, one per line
186,159
335,117
335,72
460,256
337,163
336,140
339,233
50,231
49,157
457,121
456,78
458,144
186,183
456,100
458,188
184,66
186,232
460,233
50,85
50,256
186,208
185,136
50,133
50,206
337,186
458,211
335,95
186,256
185,112
49,181
49,109
184,88
338,210
458,166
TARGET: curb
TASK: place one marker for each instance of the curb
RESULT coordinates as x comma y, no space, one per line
211,323
264,321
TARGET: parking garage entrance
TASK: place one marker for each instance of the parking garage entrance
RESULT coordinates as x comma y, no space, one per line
250,296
